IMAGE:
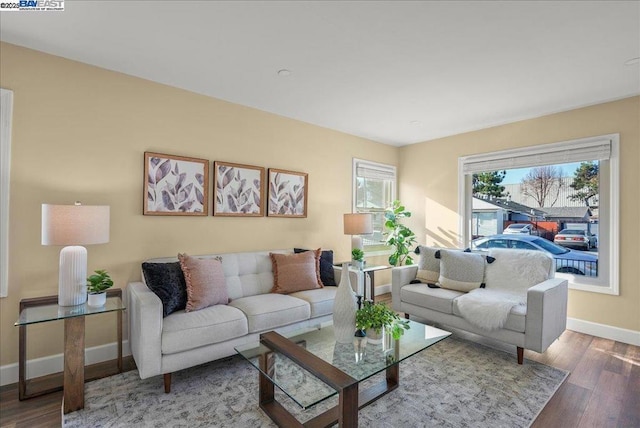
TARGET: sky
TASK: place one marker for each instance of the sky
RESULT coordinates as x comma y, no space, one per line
515,176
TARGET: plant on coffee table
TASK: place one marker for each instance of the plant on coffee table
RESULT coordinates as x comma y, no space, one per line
375,316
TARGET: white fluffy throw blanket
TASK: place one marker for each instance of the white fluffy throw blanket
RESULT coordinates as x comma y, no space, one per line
488,309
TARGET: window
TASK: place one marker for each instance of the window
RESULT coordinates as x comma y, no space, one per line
603,150
6,108
374,190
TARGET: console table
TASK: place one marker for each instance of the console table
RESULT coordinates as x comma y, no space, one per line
45,309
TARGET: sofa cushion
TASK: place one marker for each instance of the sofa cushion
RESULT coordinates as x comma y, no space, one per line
515,320
437,299
205,281
182,330
320,300
296,272
461,271
269,311
428,265
327,274
518,270
166,280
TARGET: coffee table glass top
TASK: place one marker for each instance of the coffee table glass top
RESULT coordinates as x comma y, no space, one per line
360,359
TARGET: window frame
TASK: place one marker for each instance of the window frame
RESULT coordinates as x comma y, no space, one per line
377,249
6,113
608,283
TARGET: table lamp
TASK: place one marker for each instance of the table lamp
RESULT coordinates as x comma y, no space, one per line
357,224
74,226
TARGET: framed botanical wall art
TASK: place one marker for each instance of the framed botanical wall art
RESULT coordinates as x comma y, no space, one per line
287,193
239,190
175,185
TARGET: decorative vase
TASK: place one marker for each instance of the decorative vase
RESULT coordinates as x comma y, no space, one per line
344,309
97,300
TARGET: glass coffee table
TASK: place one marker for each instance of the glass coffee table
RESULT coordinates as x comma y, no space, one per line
309,366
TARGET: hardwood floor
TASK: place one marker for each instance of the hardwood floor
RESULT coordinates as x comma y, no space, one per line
603,389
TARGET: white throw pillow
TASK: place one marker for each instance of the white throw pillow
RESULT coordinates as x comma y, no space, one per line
461,271
517,270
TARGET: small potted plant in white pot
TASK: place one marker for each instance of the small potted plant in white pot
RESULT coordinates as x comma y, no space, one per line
97,285
377,317
357,256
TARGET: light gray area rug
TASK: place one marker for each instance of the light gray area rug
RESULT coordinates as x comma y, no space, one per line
455,383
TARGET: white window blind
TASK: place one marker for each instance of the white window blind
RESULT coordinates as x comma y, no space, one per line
547,154
375,171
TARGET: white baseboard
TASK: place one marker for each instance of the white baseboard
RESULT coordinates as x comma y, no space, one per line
382,289
624,335
55,363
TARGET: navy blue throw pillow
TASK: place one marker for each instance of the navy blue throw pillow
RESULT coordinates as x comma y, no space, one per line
327,275
167,281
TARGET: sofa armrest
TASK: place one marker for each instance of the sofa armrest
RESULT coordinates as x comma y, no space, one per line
401,276
355,277
546,313
145,329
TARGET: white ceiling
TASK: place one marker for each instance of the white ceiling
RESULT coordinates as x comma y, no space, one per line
393,72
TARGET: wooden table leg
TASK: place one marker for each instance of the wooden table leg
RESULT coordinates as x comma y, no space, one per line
73,395
348,407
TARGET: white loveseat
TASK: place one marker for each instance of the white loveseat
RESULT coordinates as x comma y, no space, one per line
185,339
534,325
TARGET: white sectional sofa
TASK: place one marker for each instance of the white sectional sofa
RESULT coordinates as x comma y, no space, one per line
185,339
533,325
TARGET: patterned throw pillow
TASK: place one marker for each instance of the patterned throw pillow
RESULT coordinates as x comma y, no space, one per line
166,280
206,284
327,274
428,265
461,271
296,272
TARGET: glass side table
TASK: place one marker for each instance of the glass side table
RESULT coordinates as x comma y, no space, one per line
45,309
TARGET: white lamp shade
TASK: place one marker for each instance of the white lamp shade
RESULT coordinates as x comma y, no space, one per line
75,224
358,224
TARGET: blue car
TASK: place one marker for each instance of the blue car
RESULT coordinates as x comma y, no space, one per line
567,260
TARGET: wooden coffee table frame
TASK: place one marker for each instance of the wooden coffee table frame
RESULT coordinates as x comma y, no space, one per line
349,401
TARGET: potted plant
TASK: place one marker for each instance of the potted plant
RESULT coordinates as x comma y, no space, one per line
97,285
376,317
399,236
357,255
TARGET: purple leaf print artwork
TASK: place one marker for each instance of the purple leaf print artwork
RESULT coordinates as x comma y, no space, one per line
175,185
287,192
238,189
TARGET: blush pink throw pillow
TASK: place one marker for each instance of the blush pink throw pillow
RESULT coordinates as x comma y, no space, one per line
206,284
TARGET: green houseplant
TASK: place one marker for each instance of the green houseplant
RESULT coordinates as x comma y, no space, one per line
399,236
97,285
357,255
376,316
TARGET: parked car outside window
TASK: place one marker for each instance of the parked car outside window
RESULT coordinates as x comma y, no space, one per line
576,238
567,260
518,228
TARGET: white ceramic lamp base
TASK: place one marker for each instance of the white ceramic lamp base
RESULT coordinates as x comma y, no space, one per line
72,280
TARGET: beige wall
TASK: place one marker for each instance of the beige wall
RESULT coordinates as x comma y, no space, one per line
429,188
79,133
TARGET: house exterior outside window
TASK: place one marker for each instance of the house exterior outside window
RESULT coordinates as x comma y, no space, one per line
602,149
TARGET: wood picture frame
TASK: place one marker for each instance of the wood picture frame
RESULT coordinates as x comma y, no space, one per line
175,185
288,193
238,190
